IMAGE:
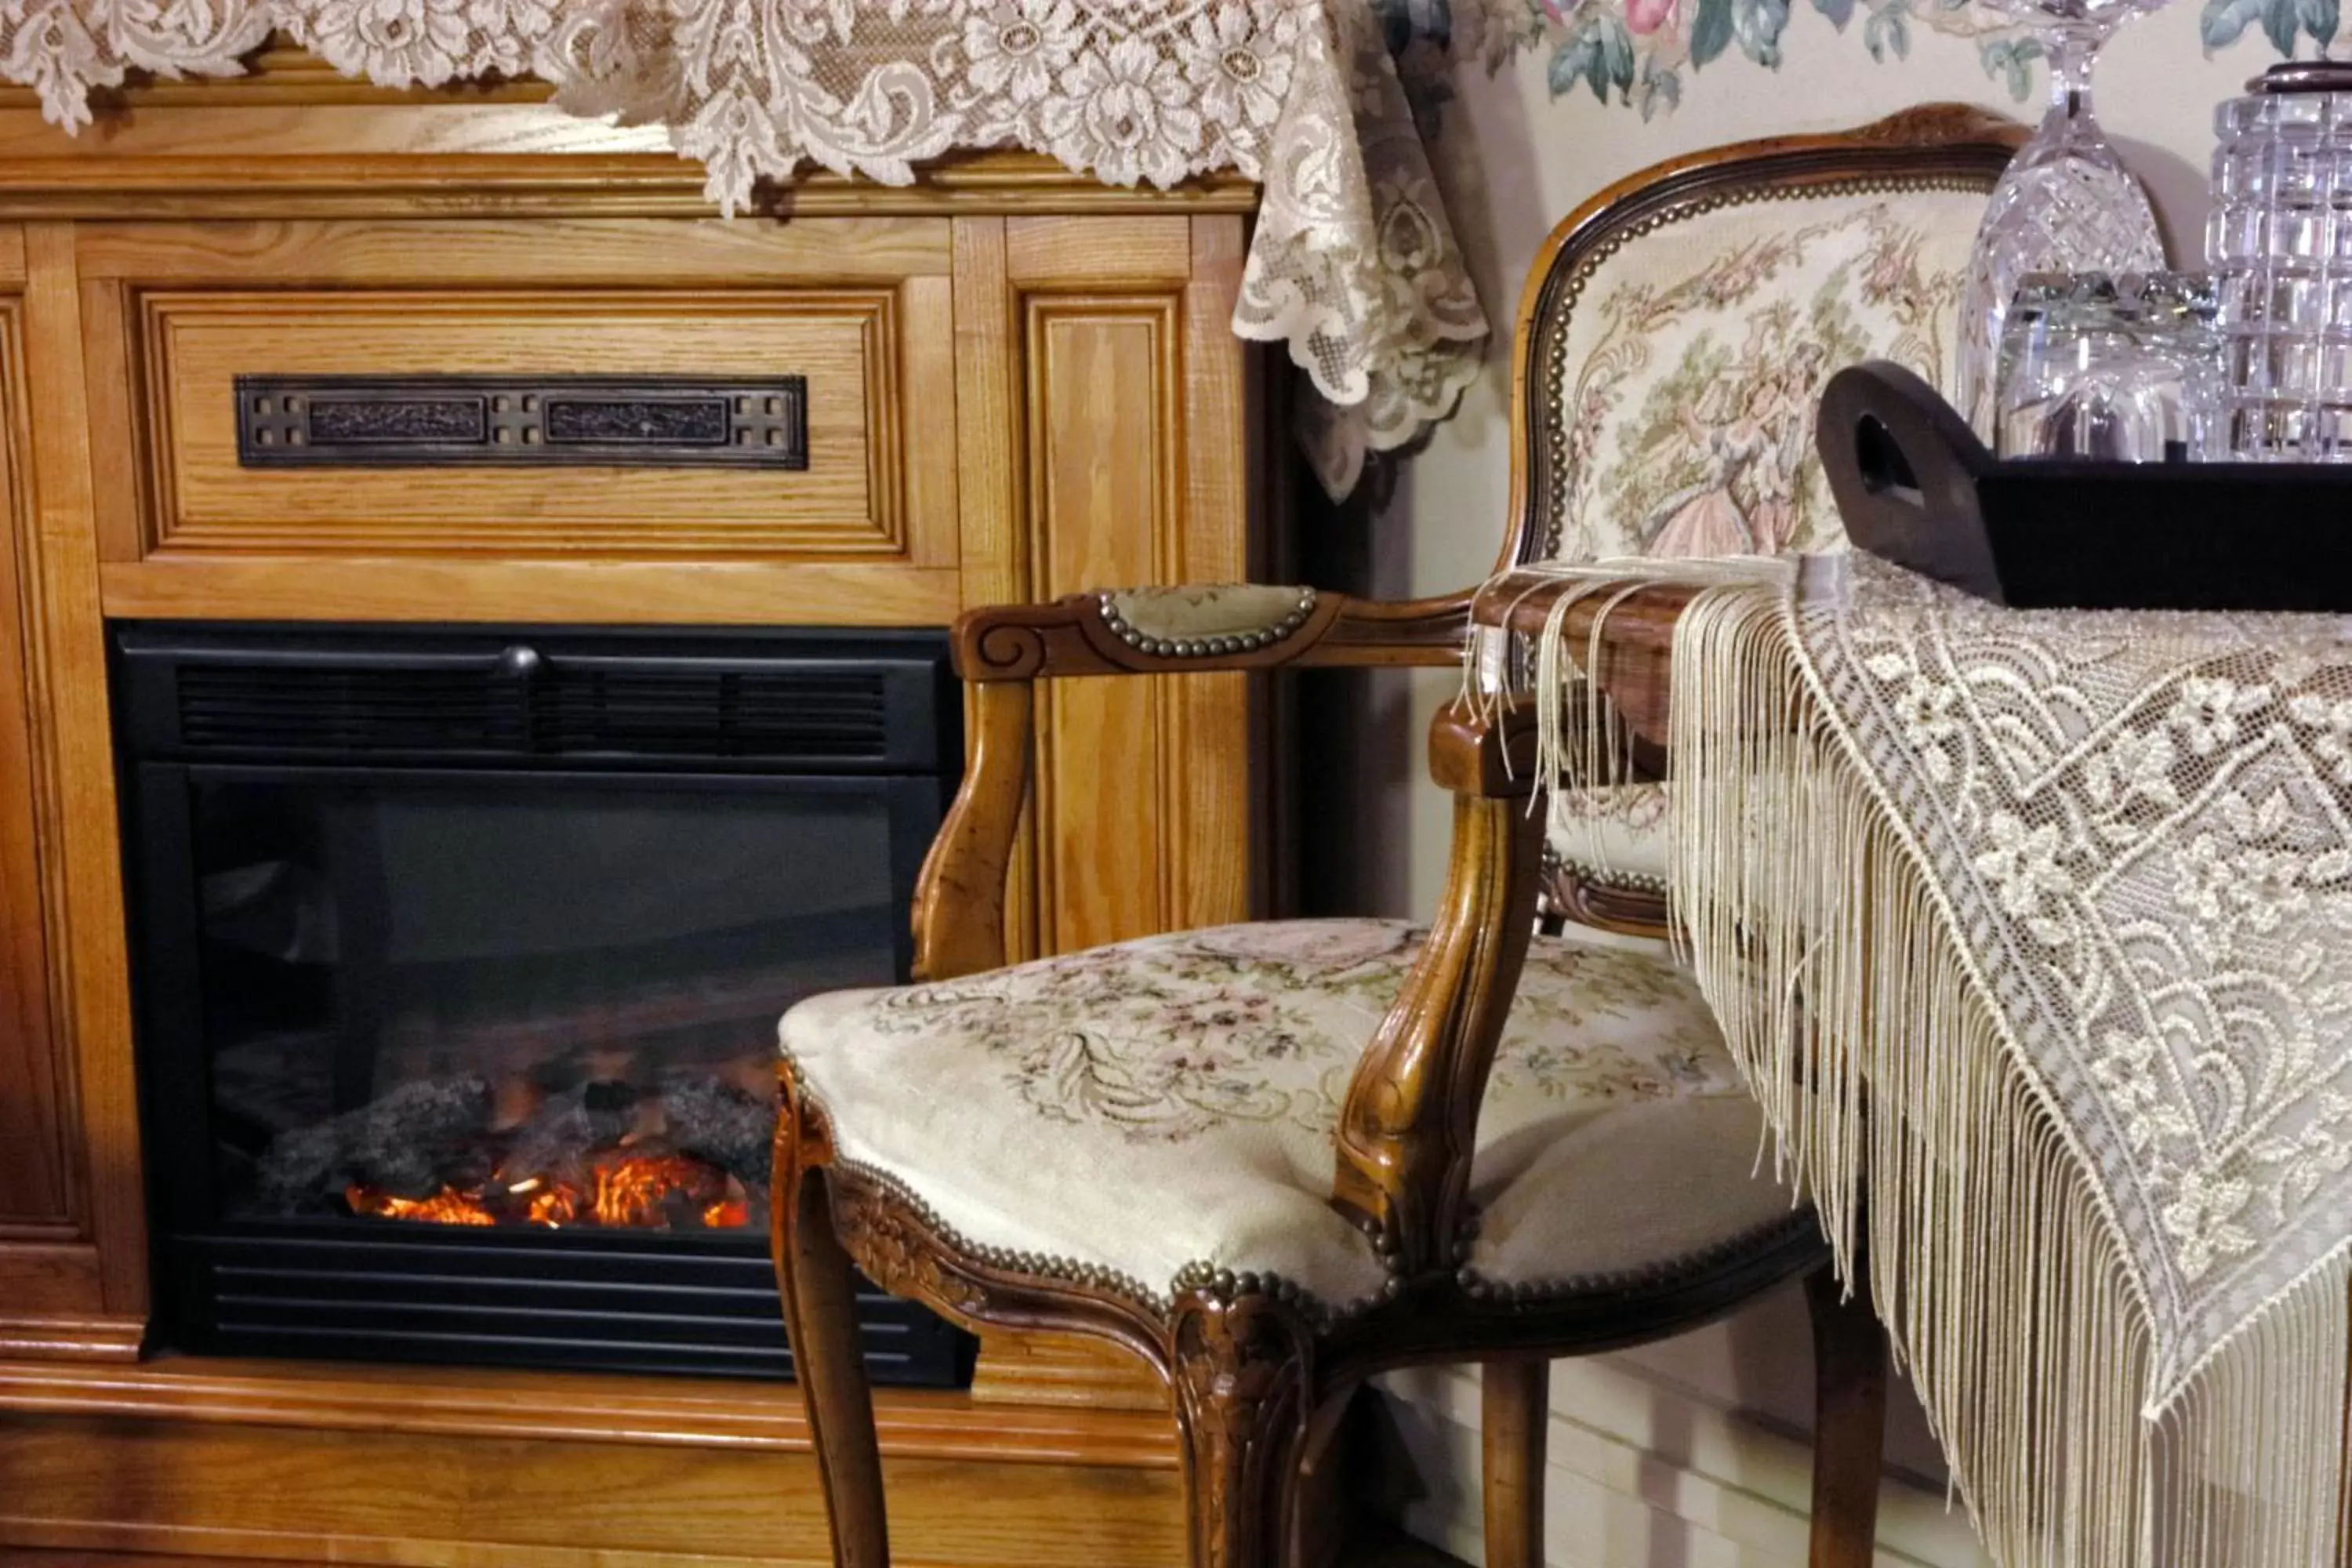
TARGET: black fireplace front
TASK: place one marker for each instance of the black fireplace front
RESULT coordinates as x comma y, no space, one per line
460,956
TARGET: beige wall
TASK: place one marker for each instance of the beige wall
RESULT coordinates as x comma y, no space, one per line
1514,162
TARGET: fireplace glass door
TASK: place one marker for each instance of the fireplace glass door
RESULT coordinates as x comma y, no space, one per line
461,1054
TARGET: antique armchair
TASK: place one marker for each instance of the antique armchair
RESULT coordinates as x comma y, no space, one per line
1275,1159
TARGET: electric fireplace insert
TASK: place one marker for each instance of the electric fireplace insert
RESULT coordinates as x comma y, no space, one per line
459,956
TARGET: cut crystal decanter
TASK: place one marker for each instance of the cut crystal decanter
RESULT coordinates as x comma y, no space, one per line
2066,204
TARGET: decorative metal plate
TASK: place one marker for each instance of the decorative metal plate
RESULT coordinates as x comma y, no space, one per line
486,421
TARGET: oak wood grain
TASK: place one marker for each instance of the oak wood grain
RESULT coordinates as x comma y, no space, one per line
425,1501
573,1408
849,503
331,225
88,968
1058,1369
990,448
1077,254
1213,791
36,1174
577,252
1104,390
615,593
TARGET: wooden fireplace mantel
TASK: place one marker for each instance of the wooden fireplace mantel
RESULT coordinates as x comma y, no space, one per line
1021,384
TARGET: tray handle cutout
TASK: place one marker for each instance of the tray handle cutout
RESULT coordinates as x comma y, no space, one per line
1903,468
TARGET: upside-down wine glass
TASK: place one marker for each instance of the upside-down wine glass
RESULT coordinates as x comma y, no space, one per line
2066,204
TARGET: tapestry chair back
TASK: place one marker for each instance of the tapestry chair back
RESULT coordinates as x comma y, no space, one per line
1673,341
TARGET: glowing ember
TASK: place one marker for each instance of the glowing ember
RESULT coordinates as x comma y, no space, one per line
631,1191
444,1208
626,1190
556,1207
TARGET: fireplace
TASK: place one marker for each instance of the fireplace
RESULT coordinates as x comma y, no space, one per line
459,956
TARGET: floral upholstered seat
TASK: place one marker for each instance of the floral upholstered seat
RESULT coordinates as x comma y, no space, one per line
1160,1108
1674,415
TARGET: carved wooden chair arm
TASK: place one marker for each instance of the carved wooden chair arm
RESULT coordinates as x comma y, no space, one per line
1201,629
1409,1127
959,899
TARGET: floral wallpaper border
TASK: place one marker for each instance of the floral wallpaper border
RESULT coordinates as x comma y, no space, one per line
1636,54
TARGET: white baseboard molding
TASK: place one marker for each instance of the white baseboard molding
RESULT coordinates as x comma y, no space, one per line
1641,1475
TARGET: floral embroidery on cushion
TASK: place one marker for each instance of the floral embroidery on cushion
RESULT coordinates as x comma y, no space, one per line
1319,943
1563,1071
1171,1036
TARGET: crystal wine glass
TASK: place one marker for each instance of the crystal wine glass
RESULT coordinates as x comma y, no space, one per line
2066,204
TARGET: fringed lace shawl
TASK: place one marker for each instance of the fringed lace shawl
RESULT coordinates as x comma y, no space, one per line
2033,933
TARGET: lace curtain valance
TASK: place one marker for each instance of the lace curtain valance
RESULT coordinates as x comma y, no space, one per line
1353,265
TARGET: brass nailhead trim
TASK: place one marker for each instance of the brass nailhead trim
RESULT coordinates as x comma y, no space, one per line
1204,647
1638,881
1543,1292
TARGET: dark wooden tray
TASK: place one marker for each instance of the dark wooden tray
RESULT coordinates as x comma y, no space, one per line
1915,487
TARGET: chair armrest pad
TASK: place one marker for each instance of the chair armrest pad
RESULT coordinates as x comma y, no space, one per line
1199,629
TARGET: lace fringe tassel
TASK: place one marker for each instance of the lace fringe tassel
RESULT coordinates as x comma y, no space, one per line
1930,1153
1576,716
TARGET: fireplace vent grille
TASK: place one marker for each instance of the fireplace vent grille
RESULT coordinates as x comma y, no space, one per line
806,713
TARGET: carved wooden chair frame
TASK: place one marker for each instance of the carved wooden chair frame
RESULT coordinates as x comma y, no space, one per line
1260,1371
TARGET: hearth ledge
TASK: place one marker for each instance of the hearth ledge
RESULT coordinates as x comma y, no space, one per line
580,1407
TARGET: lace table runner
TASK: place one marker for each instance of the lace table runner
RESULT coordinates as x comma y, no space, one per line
2032,932
1354,263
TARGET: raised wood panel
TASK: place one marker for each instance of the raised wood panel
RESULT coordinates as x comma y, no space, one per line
40,1279
1138,457
81,871
1105,383
1216,865
851,501
990,420
36,1182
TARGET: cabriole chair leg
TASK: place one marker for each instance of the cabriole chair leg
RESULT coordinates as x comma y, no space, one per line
1516,1405
1849,1421
820,1317
1243,1373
